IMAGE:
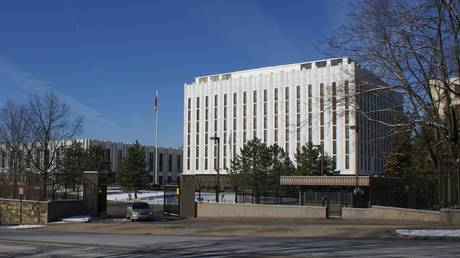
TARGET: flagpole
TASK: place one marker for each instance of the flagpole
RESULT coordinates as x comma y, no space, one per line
156,138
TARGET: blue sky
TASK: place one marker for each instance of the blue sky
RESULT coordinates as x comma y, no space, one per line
107,58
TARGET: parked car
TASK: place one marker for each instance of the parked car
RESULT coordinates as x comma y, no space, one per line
139,211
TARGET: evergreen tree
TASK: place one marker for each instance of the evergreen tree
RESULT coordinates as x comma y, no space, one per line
250,169
95,159
312,162
131,171
71,165
281,165
307,160
410,161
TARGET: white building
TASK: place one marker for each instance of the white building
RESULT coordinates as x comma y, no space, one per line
169,159
289,105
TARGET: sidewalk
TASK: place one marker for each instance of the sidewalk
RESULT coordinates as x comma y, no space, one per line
246,227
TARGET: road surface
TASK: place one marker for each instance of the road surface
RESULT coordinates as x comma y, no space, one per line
29,243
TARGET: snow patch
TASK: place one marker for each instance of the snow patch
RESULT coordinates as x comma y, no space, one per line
23,226
80,219
429,232
151,197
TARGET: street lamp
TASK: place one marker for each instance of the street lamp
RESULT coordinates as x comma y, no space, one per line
320,146
216,165
358,191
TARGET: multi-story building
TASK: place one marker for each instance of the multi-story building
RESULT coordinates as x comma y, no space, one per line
445,97
328,102
169,159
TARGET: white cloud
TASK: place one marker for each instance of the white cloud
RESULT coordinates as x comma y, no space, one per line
27,83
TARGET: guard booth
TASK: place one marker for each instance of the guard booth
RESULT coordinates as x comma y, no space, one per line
95,192
335,192
171,201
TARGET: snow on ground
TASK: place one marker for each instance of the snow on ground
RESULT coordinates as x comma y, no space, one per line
152,197
429,232
80,218
22,226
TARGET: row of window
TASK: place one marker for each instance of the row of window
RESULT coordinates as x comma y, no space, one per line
161,162
320,64
229,138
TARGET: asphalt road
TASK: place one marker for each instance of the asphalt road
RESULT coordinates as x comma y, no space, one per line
27,243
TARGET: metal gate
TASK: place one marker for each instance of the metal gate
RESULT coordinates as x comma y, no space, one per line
171,203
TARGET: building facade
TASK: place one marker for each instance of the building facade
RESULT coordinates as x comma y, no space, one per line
327,102
169,159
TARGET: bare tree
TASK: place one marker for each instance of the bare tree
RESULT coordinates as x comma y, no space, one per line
414,48
51,125
13,134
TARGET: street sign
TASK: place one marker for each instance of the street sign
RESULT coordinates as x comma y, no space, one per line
21,190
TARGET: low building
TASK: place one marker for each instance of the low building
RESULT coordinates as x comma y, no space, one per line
335,192
169,159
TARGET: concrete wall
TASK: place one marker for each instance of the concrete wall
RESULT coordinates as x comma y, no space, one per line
224,210
390,213
450,217
23,212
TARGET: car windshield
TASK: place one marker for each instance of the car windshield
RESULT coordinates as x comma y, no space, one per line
140,205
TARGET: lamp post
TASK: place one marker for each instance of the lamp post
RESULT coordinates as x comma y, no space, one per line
320,146
357,191
216,165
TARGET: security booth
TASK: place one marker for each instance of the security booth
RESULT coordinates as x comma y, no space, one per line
95,192
335,192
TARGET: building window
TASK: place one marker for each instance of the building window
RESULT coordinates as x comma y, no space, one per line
347,128
202,79
335,62
170,161
235,102
321,114
298,115
286,102
189,107
3,159
161,162
29,159
215,78
275,119
244,116
119,156
226,76
321,64
151,161
179,163
334,121
305,66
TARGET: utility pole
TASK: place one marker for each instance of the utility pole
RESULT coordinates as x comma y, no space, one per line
216,165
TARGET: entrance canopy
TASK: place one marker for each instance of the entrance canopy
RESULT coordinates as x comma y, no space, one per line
332,181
